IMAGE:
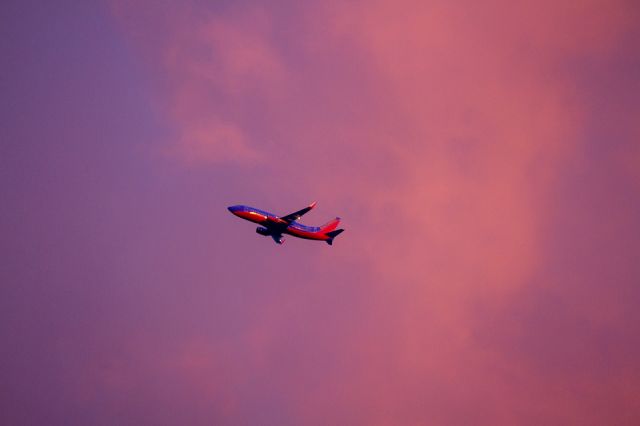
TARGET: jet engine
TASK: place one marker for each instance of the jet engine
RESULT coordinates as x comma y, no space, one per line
262,231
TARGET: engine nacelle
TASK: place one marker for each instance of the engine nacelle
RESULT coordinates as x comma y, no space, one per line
263,231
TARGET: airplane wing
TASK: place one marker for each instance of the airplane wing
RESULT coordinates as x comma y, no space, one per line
277,238
297,215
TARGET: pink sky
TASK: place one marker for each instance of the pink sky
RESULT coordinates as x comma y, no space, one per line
484,158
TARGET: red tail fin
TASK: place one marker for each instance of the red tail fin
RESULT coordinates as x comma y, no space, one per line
330,226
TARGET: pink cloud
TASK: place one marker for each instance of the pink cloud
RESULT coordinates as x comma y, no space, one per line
446,129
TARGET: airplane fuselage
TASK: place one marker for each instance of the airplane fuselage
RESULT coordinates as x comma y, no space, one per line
274,226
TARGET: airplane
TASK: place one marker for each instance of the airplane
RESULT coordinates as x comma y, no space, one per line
274,226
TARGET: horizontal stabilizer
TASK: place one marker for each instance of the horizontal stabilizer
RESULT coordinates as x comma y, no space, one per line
332,235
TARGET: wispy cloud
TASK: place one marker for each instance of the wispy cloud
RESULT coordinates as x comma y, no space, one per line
446,131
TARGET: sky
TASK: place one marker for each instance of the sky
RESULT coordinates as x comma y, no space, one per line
484,158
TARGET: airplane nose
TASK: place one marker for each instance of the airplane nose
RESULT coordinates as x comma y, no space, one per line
233,209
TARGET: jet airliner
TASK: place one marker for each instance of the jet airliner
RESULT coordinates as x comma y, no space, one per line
274,226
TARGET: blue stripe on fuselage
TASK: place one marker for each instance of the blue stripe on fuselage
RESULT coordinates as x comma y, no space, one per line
251,209
304,228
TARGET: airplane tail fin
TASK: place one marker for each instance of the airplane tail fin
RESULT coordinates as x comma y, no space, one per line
330,226
332,235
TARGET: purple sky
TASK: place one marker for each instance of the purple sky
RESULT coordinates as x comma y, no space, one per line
485,161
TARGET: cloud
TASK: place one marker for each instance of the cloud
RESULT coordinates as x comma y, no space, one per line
209,68
444,131
211,142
